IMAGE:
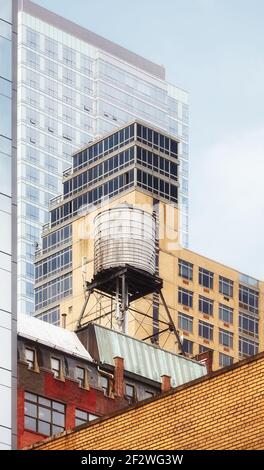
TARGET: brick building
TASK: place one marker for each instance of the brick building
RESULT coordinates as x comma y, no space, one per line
62,385
214,307
223,410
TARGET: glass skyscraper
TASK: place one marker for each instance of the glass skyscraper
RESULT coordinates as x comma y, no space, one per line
74,86
8,300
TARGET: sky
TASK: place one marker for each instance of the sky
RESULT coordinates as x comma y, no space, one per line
214,50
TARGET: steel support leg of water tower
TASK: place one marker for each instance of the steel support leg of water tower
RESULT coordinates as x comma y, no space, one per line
171,322
88,294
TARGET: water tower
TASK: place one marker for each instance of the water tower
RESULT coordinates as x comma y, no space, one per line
125,264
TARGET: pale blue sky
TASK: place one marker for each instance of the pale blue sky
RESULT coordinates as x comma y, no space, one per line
214,49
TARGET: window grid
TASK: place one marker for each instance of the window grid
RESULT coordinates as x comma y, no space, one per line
55,239
96,173
30,358
103,148
110,188
80,376
206,305
56,367
82,417
43,415
248,325
51,316
54,290
157,163
185,322
105,384
158,141
225,313
206,330
130,392
247,347
185,297
206,278
248,299
158,186
185,269
226,338
225,360
53,264
226,286
187,346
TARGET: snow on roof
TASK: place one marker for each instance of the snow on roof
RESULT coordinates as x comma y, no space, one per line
51,335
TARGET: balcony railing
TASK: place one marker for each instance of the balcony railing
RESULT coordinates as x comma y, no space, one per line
67,172
46,227
55,200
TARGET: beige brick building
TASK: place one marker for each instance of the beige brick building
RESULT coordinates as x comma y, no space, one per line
212,306
223,410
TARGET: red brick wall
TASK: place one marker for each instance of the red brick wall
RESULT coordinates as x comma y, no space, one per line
67,392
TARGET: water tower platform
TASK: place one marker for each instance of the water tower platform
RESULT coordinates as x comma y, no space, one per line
139,283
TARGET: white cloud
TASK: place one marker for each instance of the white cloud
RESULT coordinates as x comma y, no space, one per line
227,202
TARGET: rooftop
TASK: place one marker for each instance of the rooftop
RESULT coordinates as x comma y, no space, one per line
51,336
91,38
140,358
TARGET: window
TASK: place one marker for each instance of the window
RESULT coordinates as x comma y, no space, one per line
226,286
185,269
54,263
30,358
32,38
51,48
105,384
32,212
43,415
56,367
225,338
206,278
80,376
206,305
52,291
68,76
225,313
51,316
247,347
69,56
148,394
82,417
206,330
248,299
203,348
32,193
29,270
86,65
185,297
248,325
130,393
187,346
32,59
225,360
185,322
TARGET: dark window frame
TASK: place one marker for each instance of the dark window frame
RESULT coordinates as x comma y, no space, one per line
38,401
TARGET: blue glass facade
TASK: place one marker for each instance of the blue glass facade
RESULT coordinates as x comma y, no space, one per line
7,235
152,167
72,90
